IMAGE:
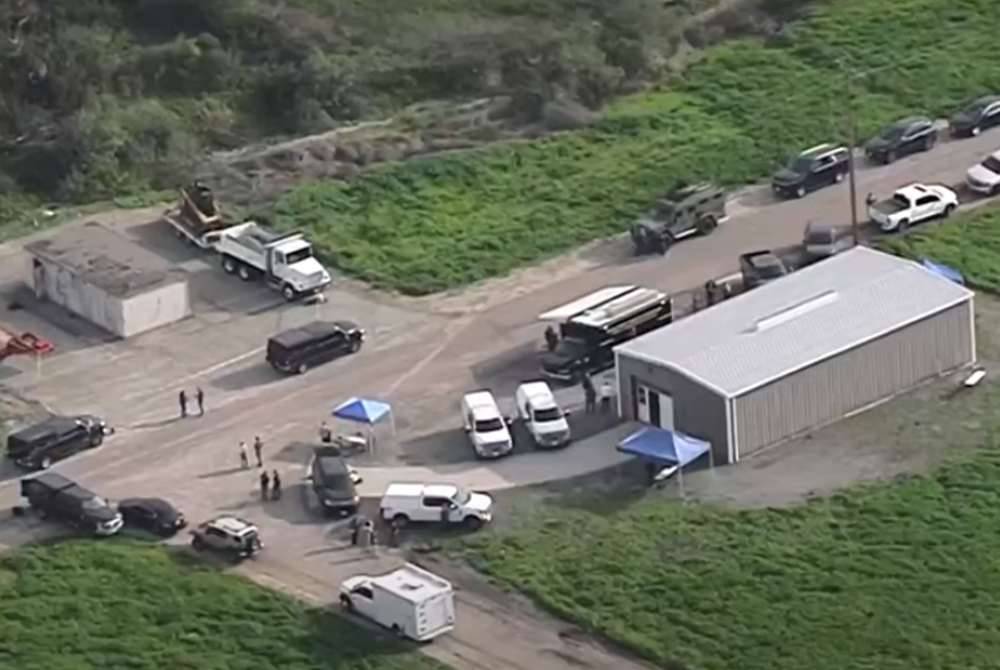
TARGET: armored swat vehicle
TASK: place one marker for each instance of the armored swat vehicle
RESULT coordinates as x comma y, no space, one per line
687,211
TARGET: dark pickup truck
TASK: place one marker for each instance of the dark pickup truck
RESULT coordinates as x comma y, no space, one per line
761,267
60,498
57,437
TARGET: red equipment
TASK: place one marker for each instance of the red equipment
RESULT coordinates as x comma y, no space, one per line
26,343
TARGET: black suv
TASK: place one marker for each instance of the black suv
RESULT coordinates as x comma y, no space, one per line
905,137
299,349
55,438
978,115
59,498
812,169
333,481
689,210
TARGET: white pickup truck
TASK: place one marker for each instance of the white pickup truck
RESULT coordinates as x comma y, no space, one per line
285,261
912,204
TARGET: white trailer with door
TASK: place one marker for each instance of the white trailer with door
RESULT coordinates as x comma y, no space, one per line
410,601
284,261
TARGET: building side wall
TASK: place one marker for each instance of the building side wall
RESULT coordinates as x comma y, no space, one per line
155,308
698,411
56,284
855,379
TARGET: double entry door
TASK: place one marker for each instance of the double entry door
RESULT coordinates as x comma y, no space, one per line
654,407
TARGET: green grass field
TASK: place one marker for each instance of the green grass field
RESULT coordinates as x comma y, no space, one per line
894,576
429,225
120,604
970,242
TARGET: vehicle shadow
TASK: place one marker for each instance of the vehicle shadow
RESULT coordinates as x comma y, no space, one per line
256,374
440,447
159,423
297,506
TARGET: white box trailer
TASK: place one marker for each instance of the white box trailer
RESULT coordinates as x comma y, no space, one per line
285,261
410,601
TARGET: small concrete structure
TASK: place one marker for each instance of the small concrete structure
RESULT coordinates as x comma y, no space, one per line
108,280
804,350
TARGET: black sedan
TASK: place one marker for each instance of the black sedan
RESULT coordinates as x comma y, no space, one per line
902,138
152,514
977,116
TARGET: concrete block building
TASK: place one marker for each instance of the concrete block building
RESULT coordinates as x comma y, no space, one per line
807,349
108,280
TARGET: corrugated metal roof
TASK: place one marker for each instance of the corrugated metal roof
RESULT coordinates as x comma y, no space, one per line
797,320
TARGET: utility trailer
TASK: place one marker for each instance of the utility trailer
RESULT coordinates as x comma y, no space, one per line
284,260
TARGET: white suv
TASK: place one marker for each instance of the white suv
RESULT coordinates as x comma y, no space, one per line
486,427
542,416
985,177
403,503
228,534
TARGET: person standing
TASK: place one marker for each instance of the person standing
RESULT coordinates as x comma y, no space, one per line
199,396
325,434
606,393
258,447
589,394
244,456
265,481
551,338
275,485
183,400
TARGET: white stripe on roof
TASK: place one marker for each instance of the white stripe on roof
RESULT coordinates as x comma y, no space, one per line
589,301
809,316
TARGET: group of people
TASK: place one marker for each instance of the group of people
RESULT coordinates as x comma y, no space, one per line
270,485
590,394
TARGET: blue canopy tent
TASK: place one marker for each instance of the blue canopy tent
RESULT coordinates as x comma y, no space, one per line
665,448
949,273
365,411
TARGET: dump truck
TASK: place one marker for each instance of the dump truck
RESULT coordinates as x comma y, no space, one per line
284,260
197,219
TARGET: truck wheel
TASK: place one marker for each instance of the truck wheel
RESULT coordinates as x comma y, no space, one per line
903,226
839,177
472,522
302,369
346,603
355,346
707,224
400,520
397,630
197,543
949,210
890,157
228,264
289,292
800,192
46,463
96,441
243,272
929,142
975,131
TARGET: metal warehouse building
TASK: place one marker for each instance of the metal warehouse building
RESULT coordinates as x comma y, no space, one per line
831,339
108,280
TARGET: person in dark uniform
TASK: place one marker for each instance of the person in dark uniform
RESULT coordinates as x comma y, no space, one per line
265,482
551,338
182,398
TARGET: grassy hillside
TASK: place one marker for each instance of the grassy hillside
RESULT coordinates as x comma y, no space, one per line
101,97
116,604
894,576
432,224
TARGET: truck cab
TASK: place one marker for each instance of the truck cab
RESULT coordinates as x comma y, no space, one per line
541,414
410,601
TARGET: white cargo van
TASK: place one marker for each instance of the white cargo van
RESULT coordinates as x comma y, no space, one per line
410,601
542,416
403,503
486,427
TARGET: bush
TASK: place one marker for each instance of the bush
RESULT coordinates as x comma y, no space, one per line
731,119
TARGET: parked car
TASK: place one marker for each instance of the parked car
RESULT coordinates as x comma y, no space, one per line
822,240
410,601
334,481
403,503
55,438
153,514
760,267
57,497
544,420
976,117
691,210
485,425
913,204
229,535
298,349
902,138
814,168
984,177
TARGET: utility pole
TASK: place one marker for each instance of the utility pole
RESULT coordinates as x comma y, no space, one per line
853,132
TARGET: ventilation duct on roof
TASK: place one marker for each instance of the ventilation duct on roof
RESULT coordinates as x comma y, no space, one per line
794,312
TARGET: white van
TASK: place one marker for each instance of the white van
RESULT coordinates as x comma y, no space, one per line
542,416
410,601
486,427
403,503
